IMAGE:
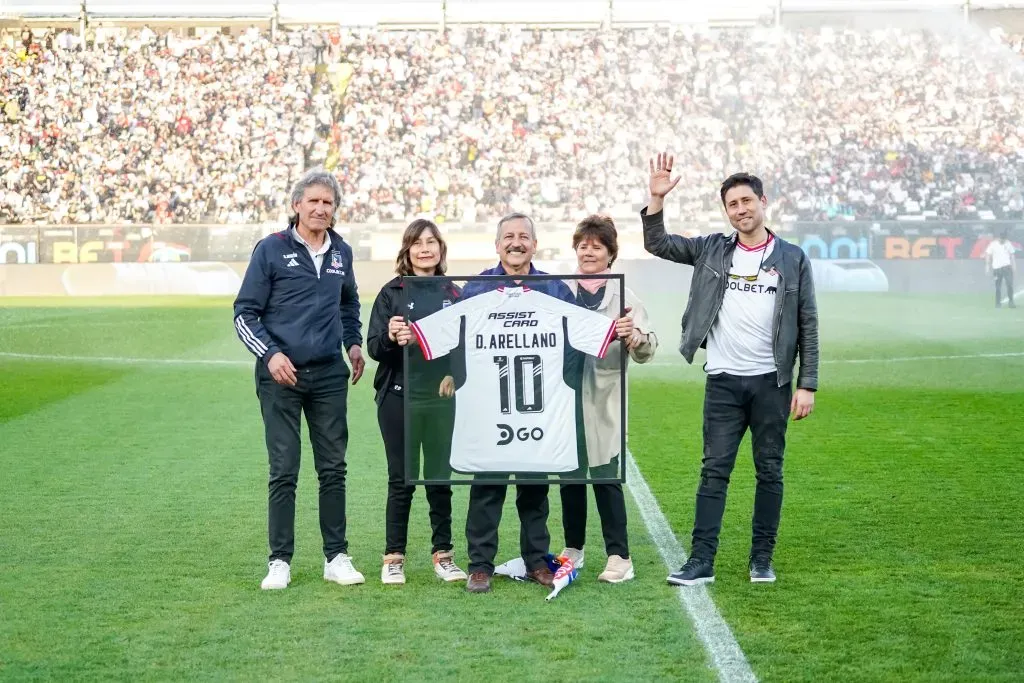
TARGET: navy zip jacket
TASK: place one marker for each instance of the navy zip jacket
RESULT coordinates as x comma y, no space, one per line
283,306
555,288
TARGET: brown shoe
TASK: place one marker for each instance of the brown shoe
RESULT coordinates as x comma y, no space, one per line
479,582
543,576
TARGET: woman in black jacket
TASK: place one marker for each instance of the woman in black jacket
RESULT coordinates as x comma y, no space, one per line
423,253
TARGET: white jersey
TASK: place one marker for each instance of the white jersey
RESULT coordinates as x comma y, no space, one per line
740,341
514,412
1001,253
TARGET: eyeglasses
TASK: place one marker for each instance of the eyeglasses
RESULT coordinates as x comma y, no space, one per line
748,278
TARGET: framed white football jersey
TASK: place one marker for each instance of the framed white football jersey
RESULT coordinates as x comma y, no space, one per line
514,411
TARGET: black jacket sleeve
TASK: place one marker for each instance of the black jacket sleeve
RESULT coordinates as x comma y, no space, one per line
807,331
378,343
352,328
686,250
250,305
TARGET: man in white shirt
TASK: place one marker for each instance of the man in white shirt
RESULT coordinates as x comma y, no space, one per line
752,306
1001,264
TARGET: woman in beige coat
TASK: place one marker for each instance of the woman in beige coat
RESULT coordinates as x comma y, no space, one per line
595,242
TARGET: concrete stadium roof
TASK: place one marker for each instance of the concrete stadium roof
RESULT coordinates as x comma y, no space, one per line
370,12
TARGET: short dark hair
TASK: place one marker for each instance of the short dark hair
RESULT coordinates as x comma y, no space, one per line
600,228
403,264
737,179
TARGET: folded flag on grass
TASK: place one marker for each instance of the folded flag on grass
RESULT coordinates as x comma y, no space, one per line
562,567
564,575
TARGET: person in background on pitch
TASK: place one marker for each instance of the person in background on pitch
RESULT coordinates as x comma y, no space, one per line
1001,264
423,253
752,306
596,245
298,304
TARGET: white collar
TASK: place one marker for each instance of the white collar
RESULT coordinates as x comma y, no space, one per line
323,247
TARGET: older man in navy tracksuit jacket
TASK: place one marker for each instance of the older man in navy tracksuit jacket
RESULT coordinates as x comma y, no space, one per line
298,304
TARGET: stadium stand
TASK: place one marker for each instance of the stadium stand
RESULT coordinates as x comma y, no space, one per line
146,126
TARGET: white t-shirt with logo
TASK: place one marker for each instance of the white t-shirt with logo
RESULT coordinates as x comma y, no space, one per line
514,412
1001,253
740,341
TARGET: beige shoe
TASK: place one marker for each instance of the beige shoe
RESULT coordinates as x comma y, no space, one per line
446,569
393,571
574,554
617,570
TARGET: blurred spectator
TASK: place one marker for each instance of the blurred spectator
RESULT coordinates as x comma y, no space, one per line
154,128
477,122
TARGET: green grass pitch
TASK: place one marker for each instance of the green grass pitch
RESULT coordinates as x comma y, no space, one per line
134,511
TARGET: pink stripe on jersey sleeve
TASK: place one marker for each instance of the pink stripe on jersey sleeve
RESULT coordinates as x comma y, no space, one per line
607,340
427,353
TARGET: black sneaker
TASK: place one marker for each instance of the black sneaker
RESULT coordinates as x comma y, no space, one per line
697,570
761,570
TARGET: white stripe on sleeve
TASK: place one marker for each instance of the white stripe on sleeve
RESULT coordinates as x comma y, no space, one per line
248,338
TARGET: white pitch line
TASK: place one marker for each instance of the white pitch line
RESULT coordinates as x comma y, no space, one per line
216,361
908,359
897,359
712,630
76,324
125,361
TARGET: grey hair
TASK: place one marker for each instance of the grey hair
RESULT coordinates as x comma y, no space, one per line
316,176
513,217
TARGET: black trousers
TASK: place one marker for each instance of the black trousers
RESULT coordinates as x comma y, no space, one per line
321,393
611,507
1002,275
731,405
431,426
485,507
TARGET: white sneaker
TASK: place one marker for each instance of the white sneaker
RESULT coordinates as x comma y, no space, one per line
340,570
617,570
574,554
279,575
393,571
445,567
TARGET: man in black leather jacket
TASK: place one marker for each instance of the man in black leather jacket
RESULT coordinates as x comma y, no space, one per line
752,307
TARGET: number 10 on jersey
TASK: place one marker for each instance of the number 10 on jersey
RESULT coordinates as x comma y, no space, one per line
529,383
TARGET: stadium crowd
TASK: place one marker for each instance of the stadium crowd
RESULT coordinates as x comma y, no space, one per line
470,125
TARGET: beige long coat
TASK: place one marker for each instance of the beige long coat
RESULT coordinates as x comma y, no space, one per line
602,397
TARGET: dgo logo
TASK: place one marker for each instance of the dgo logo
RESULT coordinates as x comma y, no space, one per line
523,434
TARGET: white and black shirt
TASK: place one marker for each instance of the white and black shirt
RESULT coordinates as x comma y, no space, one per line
514,412
740,341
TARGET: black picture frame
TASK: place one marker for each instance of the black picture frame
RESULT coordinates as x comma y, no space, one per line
517,478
